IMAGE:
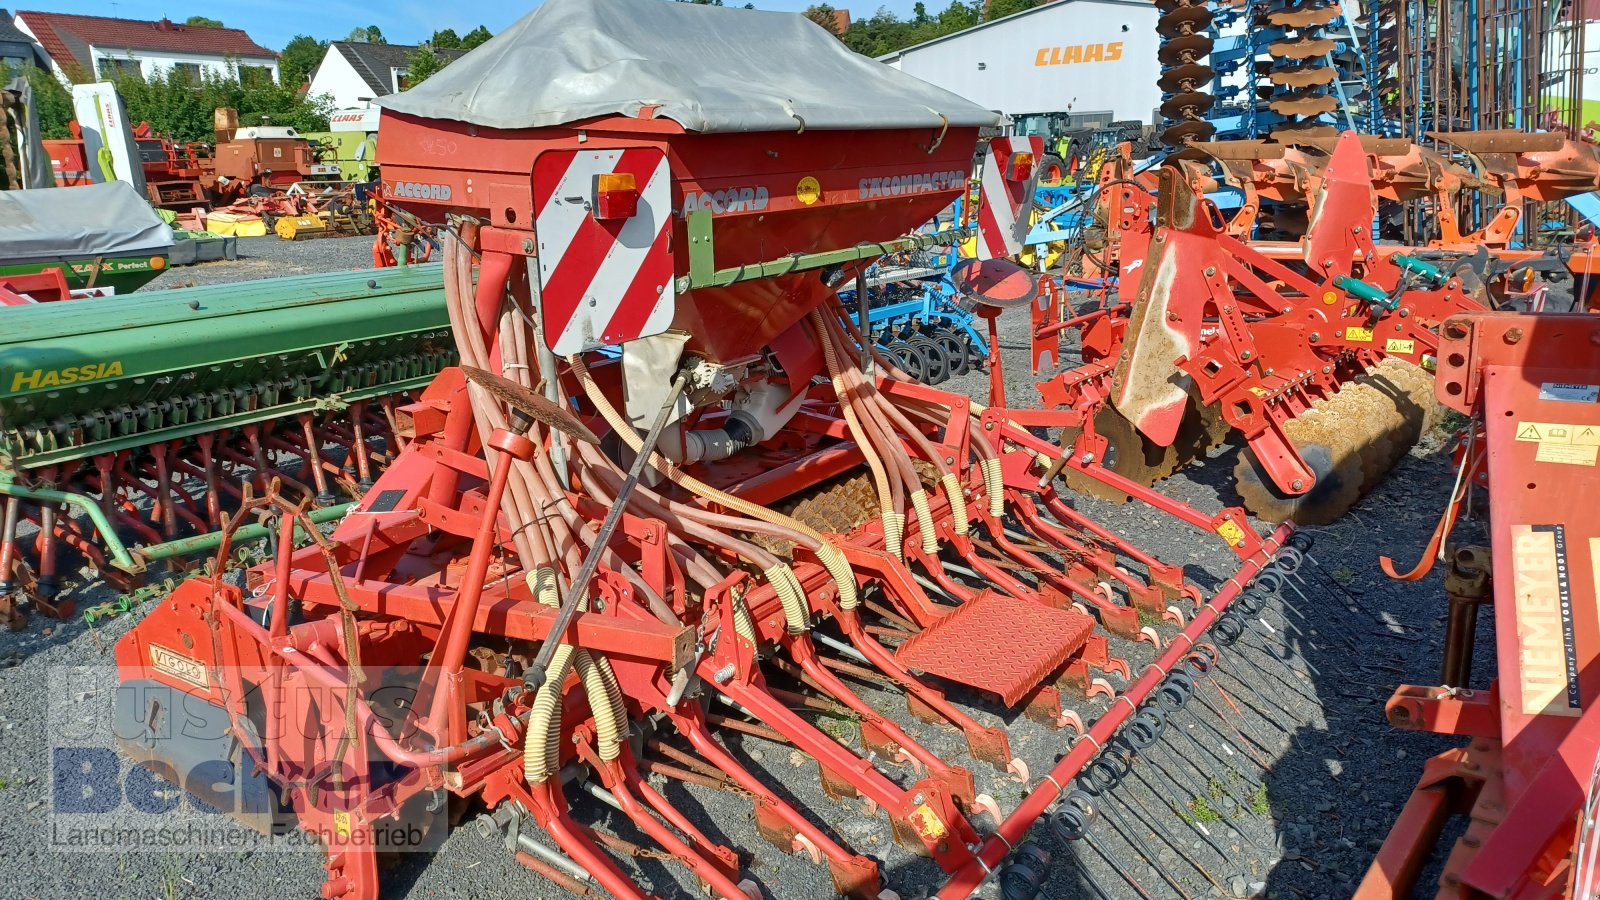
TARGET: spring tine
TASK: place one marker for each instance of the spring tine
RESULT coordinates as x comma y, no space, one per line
1116,866
1276,675
1208,791
1277,639
1245,740
1160,872
1224,760
1267,719
1177,846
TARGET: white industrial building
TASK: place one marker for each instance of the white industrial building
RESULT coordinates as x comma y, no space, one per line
85,49
1095,58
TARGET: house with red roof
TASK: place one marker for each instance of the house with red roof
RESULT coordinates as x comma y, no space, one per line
89,48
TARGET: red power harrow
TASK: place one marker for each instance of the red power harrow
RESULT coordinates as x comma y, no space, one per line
1529,776
565,601
1313,352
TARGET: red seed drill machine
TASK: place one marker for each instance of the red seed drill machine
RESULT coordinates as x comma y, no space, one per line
669,497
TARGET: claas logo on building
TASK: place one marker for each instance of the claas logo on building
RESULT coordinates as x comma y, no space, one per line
1078,53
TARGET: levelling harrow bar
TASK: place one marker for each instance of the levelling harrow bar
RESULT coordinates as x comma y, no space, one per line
129,425
589,567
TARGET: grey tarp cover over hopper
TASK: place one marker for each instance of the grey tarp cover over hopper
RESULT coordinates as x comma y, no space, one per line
707,68
107,220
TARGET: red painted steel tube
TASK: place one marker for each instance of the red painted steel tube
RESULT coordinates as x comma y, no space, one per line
443,676
1074,322
1012,831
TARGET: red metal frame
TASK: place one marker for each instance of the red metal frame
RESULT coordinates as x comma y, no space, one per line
1526,775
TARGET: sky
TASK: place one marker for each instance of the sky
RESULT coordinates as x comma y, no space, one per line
272,23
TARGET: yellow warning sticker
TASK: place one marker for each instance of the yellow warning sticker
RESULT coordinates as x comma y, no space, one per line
808,191
1231,532
1559,433
341,823
1567,454
1259,391
1356,333
927,824
1395,345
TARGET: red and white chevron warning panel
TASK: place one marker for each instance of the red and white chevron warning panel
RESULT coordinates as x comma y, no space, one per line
1010,168
602,226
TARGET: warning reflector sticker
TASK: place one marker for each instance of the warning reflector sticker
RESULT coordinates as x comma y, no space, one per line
1547,659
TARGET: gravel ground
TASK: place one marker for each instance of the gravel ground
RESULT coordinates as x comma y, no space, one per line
1280,782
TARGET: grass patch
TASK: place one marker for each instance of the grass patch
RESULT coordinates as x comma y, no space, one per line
1451,421
1201,810
1258,801
171,878
840,729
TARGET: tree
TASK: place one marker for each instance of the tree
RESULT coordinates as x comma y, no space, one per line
999,9
368,35
445,40
179,108
421,65
959,16
300,56
204,22
824,15
475,37
50,98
